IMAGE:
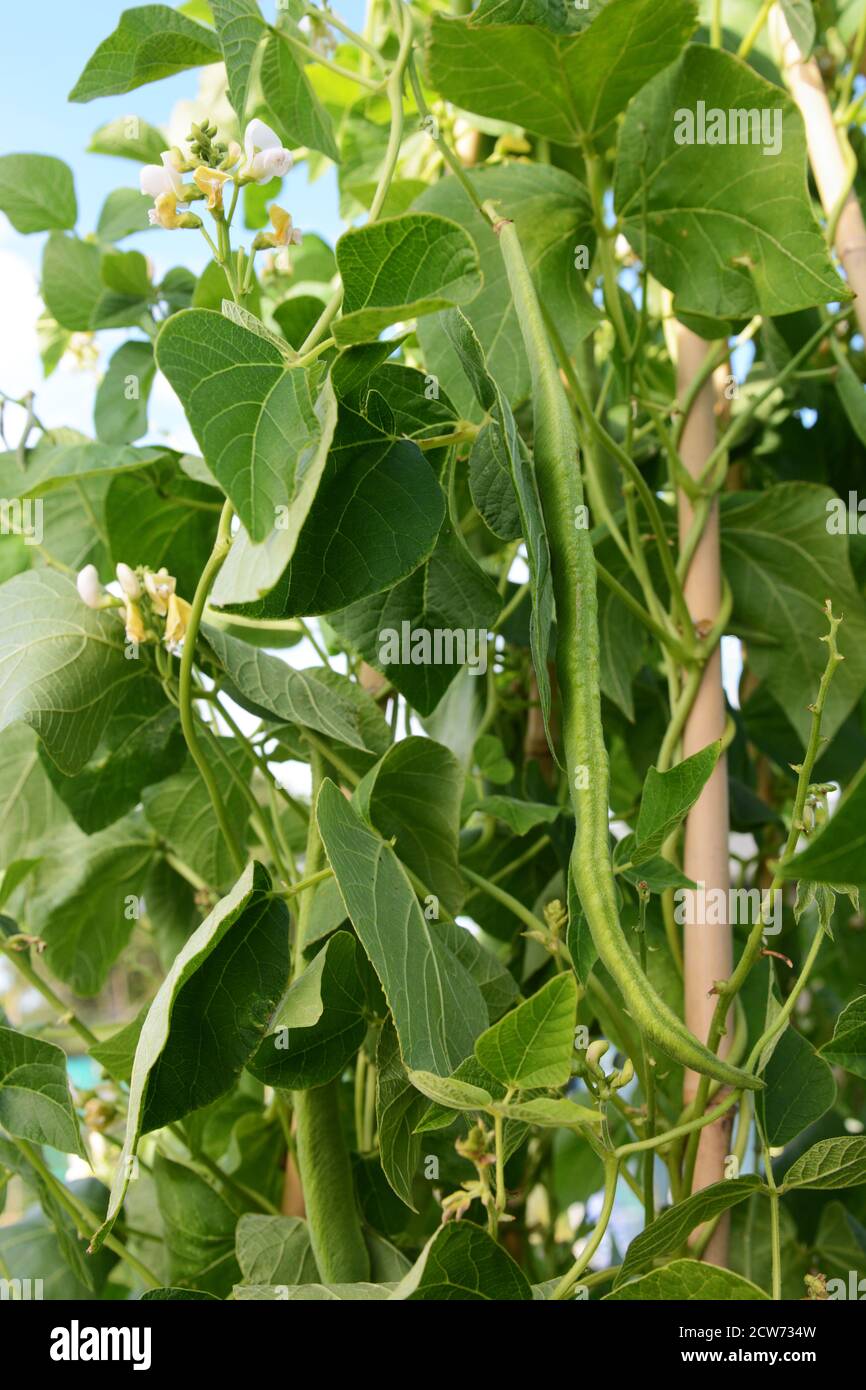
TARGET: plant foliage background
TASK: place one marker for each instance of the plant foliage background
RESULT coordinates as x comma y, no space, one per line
316,939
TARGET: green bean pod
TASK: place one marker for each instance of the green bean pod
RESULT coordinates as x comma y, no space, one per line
329,1194
560,488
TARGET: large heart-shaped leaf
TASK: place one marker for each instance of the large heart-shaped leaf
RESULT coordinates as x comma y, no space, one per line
728,227
462,1262
688,1281
62,665
560,85
223,986
781,563
438,1009
412,797
150,42
37,192
400,268
534,1044
259,424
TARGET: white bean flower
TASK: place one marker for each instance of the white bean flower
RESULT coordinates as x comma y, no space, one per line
128,580
89,587
162,178
264,157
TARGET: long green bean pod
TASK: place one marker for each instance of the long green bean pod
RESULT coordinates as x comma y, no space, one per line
329,1193
573,569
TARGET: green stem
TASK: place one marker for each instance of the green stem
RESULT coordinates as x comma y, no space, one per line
85,1220
753,32
568,1281
221,548
775,1229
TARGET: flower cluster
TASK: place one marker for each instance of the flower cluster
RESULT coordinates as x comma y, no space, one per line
212,166
147,595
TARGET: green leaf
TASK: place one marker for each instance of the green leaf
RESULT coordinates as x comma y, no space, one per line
547,1111
158,516
116,1055
199,1220
519,816
462,1262
129,137
438,1009
223,986
729,227
400,268
656,872
800,18
60,460
307,418
781,563
688,1281
829,1163
312,1293
490,480
494,979
35,1102
399,1107
450,595
847,1047
261,428
150,42
298,116
489,757
492,400
13,875
71,286
383,490
552,215
94,886
667,799
123,212
180,811
140,743
268,686
62,667
30,809
37,192
564,87
412,797
534,1044
318,1027
669,1230
240,27
450,1092
274,1250
120,412
835,854
799,1089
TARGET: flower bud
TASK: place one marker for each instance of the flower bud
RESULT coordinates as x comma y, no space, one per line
134,622
128,580
594,1054
624,1075
89,587
177,621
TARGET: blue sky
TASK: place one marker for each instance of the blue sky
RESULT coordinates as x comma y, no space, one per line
46,45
